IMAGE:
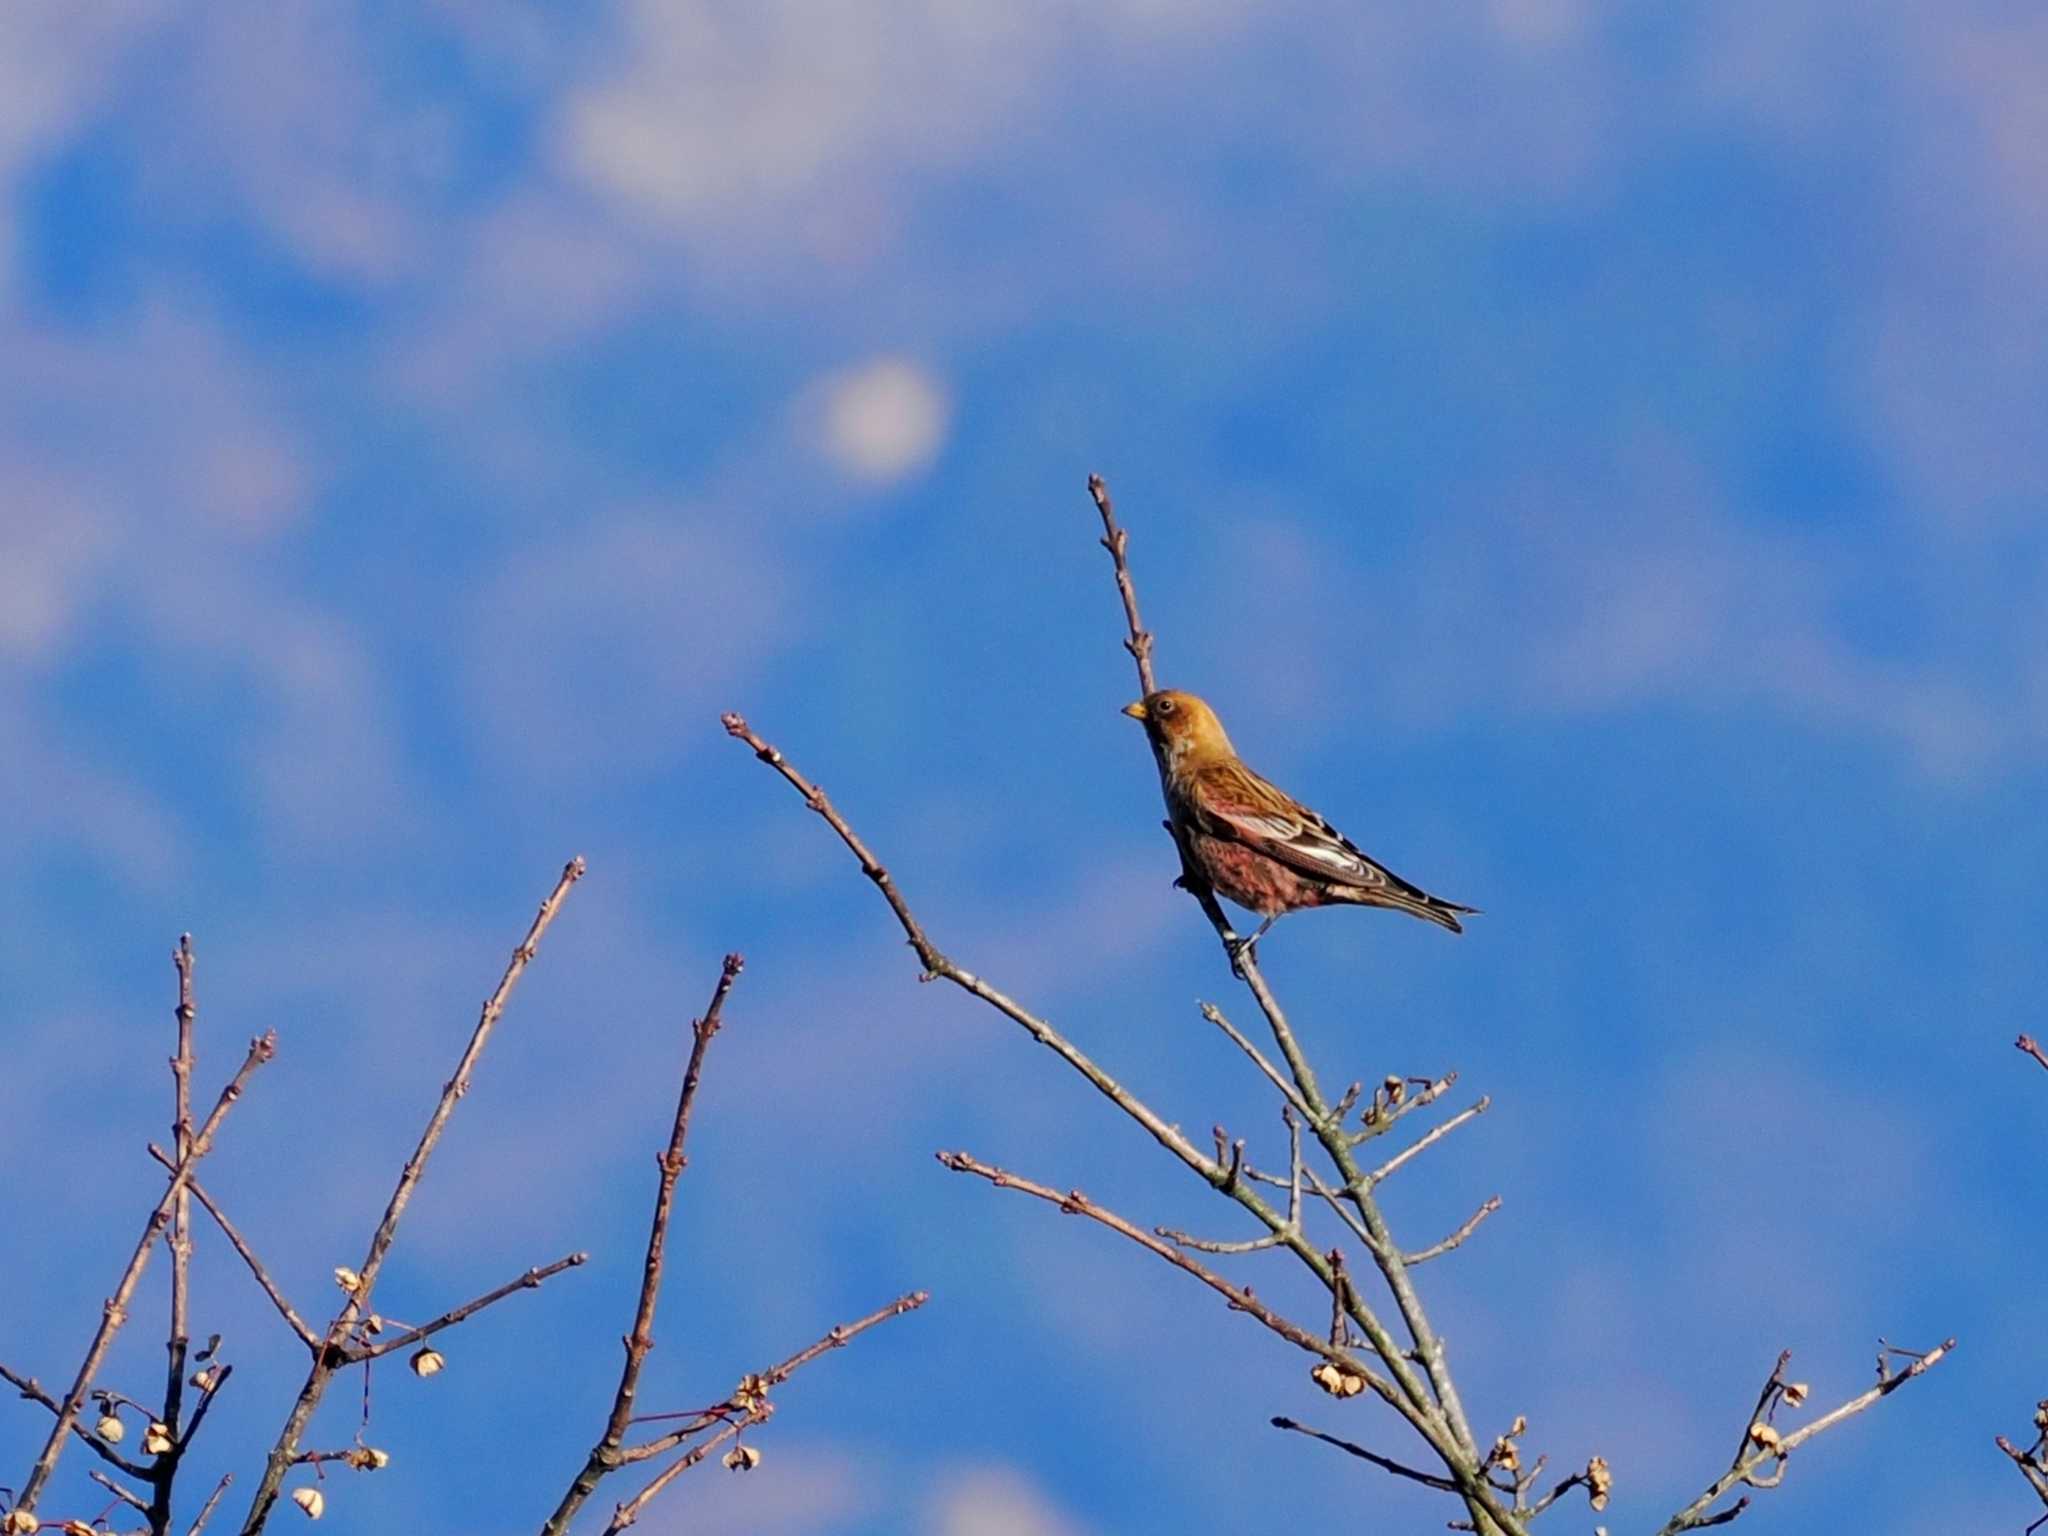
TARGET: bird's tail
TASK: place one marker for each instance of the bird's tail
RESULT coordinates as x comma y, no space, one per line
1400,896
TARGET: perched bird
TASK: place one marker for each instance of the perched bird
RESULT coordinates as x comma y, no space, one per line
1253,842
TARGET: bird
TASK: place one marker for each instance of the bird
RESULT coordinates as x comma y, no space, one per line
1252,841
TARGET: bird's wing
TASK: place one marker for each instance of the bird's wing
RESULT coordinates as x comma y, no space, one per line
1230,801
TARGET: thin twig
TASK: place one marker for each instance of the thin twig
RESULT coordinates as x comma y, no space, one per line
218,1380
127,1496
1474,1490
32,1389
212,1499
1287,1090
1209,1245
1439,1398
165,1473
236,1241
1751,1458
2027,1044
1116,541
760,1407
1471,1225
333,1351
526,1282
603,1455
1408,1154
1074,1203
1767,1401
1427,1479
776,1375
936,965
115,1312
628,1512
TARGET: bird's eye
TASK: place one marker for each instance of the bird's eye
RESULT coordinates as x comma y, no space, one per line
1165,706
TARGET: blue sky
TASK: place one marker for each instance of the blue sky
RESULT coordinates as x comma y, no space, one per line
1594,455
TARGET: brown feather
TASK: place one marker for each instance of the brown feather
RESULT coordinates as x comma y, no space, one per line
1252,841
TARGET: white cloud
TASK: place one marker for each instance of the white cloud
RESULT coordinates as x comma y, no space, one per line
994,1501
727,108
884,420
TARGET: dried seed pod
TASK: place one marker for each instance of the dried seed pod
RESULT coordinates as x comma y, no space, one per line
742,1458
1765,1437
1337,1381
427,1361
157,1439
347,1279
1599,1482
110,1429
311,1500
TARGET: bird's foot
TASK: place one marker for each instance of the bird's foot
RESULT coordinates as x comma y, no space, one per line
1242,950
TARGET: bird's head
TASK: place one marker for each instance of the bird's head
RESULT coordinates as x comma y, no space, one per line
1183,730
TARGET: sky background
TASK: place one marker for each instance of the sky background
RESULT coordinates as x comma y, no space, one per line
1594,454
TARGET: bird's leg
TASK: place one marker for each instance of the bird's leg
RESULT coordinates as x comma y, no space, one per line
1241,949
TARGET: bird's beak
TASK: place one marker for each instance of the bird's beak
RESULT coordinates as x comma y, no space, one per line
1135,710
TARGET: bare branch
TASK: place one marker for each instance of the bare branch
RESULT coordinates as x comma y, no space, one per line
333,1352
603,1455
1427,1479
1750,1460
2031,1466
179,1240
628,1512
1206,1245
759,1407
1408,1154
1074,1203
212,1501
937,965
127,1496
1116,541
115,1312
1287,1091
2027,1044
32,1389
776,1375
236,1241
218,1380
531,1280
1471,1225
